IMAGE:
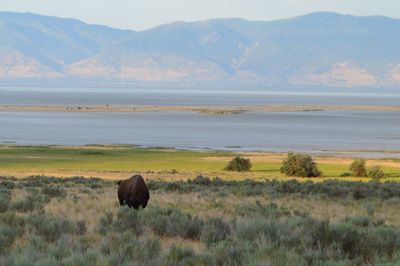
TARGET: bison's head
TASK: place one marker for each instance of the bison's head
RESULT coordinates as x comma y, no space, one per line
119,182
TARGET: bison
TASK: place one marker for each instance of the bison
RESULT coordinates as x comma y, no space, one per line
133,192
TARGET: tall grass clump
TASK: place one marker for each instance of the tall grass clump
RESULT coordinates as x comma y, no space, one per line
239,164
358,168
300,164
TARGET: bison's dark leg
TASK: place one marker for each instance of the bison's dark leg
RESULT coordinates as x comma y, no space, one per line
121,201
134,203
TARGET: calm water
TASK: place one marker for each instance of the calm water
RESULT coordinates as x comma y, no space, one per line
303,131
43,96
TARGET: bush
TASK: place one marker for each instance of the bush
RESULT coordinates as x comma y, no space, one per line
121,248
232,253
14,221
7,184
106,222
92,257
358,168
7,237
31,202
300,164
375,172
173,222
215,230
53,191
51,228
181,256
5,197
239,164
200,180
345,174
128,220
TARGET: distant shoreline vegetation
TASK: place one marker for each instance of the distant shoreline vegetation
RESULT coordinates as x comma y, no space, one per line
206,110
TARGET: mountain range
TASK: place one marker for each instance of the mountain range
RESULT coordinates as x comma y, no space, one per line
317,49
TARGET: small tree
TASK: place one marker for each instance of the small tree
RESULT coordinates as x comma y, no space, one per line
300,164
239,164
358,168
376,173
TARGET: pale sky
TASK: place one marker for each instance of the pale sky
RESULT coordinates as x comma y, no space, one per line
143,14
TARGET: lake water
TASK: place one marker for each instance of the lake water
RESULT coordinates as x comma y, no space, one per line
205,97
301,131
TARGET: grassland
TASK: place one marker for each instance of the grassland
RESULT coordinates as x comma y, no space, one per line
77,221
253,218
115,162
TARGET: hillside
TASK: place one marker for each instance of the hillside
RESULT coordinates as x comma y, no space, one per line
318,49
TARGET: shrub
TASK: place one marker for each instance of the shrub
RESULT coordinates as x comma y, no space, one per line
106,222
51,228
181,256
53,191
7,184
152,248
215,230
239,164
23,205
345,174
5,197
300,164
200,180
173,222
231,253
358,168
16,222
11,227
128,220
31,202
7,237
375,172
121,248
92,257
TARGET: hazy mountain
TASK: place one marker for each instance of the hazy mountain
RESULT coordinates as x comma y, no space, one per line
317,49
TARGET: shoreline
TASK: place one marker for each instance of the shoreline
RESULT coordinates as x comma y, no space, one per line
207,110
368,154
332,154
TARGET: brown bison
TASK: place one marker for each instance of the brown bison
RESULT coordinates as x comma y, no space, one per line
133,192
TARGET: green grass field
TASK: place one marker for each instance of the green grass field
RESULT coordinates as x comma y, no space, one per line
120,161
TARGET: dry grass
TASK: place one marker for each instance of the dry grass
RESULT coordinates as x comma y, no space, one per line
89,206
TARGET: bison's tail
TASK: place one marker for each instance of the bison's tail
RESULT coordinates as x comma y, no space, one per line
119,182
